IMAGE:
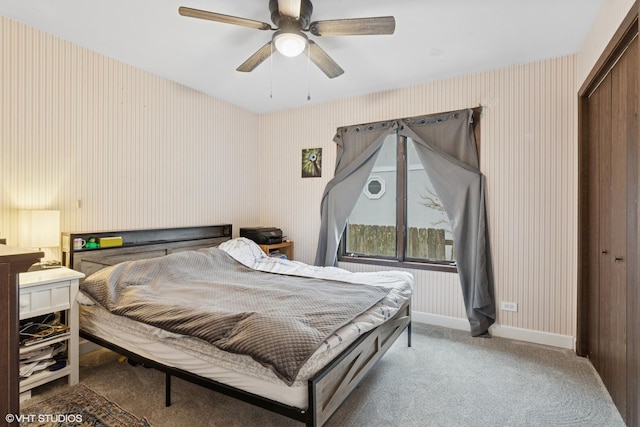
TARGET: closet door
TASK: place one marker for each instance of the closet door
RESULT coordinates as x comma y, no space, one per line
626,122
598,153
609,260
624,210
611,154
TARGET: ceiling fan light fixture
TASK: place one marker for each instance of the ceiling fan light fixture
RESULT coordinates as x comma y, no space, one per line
290,43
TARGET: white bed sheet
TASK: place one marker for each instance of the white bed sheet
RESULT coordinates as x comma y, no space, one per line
154,344
240,371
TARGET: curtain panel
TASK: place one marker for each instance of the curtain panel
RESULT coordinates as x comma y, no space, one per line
446,147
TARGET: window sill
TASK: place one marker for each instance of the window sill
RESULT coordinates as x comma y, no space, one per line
449,268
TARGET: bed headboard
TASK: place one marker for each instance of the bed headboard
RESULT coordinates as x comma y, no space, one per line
139,244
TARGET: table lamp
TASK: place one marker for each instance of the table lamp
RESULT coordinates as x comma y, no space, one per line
40,229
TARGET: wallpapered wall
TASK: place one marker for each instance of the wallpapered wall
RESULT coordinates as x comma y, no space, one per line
136,150
529,156
139,151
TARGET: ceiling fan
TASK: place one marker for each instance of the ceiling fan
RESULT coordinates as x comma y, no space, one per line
291,19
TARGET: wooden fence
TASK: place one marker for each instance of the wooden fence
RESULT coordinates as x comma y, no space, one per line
423,243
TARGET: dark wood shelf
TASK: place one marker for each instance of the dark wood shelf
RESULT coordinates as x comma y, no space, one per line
139,244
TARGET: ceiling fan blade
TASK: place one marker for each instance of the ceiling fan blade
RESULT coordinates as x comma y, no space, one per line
256,59
357,26
324,61
289,8
226,19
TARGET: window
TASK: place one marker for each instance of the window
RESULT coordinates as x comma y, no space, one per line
398,216
425,162
372,228
427,226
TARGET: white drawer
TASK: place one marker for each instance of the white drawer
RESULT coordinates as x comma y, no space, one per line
45,299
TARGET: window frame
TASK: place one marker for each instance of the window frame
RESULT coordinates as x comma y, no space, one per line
401,260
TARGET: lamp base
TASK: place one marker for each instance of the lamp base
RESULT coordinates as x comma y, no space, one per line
45,265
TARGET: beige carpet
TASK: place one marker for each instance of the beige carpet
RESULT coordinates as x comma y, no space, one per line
446,378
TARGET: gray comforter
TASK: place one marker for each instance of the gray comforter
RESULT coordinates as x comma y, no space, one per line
278,320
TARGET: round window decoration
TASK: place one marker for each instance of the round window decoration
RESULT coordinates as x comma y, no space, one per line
375,187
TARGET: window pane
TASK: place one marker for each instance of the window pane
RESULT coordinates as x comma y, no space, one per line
428,228
371,229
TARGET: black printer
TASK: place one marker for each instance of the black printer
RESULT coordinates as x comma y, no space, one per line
262,235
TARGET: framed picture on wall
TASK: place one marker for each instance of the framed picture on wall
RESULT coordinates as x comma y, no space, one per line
312,162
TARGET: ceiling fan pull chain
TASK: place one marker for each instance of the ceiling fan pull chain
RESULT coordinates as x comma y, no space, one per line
308,76
271,73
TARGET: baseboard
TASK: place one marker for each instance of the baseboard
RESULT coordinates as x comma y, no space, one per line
437,320
527,335
545,338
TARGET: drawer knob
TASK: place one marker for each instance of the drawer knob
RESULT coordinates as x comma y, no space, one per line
24,302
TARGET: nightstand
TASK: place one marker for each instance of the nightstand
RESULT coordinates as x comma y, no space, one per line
276,249
51,291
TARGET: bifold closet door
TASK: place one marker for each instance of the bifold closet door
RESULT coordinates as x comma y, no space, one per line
615,333
624,244
598,232
626,129
612,158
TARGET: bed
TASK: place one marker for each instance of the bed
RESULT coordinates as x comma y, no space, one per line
329,361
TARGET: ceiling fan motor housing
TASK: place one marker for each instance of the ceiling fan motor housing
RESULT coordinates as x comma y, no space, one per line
288,22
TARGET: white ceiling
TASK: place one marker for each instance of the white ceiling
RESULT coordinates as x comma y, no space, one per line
434,39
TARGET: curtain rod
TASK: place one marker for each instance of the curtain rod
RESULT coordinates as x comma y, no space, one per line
479,109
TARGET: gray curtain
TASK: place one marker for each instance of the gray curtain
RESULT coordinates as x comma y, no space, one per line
358,148
446,147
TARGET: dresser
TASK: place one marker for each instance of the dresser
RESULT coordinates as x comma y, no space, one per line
12,262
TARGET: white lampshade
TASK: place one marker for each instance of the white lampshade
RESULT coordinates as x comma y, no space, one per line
290,43
39,229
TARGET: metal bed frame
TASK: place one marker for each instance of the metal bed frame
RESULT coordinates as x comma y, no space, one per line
327,389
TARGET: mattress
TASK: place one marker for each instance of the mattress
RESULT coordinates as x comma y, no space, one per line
240,371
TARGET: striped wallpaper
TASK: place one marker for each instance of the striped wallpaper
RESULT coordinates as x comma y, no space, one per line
113,147
529,156
136,150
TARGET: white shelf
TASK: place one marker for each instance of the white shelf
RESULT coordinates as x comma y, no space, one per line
44,343
43,377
